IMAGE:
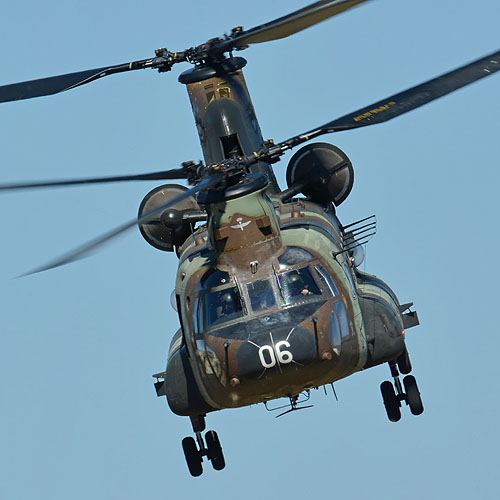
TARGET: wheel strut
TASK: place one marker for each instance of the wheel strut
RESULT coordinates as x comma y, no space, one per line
397,382
201,444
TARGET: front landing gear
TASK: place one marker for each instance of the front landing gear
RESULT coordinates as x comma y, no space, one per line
392,395
194,453
214,450
413,399
193,456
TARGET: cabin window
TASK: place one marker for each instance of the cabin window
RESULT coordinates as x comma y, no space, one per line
297,285
261,295
220,306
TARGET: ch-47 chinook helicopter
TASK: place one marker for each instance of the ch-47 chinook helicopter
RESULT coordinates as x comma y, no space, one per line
270,297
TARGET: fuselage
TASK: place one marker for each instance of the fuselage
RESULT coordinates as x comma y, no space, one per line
277,309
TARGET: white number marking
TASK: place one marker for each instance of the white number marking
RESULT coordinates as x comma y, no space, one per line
283,357
272,361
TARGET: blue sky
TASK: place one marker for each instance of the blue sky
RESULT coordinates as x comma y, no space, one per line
78,345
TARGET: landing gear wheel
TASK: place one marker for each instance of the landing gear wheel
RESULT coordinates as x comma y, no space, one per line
391,401
215,454
404,363
413,395
193,456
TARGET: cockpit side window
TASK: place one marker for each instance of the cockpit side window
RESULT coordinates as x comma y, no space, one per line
198,317
220,306
326,279
342,314
261,295
297,285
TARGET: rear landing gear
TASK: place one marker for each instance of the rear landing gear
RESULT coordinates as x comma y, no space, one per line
194,452
392,395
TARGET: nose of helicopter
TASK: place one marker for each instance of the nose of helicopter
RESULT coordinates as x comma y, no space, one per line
270,346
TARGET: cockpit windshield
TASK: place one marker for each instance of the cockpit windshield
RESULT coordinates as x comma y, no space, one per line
222,300
220,306
261,295
297,285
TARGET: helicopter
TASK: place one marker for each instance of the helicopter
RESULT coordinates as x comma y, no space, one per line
215,257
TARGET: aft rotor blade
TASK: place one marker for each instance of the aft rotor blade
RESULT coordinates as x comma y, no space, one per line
85,249
177,173
56,84
401,103
292,23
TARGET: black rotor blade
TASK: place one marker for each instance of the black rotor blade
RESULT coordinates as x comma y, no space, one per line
405,101
279,28
177,173
291,23
86,248
55,84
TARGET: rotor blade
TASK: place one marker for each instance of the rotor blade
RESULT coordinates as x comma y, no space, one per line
177,173
405,101
415,97
55,84
291,23
85,249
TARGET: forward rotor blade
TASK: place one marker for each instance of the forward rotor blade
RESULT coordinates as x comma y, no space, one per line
401,103
85,249
292,23
279,28
177,173
56,84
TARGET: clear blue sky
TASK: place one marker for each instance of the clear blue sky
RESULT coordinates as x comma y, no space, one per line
78,345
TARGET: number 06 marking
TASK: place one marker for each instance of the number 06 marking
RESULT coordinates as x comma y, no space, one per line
268,354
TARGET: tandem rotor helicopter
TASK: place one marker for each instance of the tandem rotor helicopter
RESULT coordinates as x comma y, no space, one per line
269,292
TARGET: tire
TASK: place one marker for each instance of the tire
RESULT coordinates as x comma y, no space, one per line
413,395
391,401
215,454
404,363
193,457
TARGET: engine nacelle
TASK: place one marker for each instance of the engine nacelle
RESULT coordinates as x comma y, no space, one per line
325,171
